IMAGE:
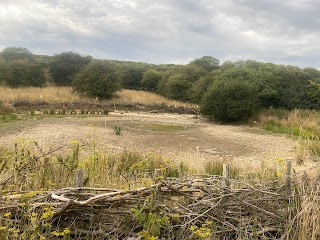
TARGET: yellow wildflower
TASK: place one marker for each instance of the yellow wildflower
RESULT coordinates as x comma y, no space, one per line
7,214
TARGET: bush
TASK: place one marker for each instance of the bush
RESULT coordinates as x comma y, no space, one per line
14,53
150,80
66,65
98,79
23,73
230,100
6,108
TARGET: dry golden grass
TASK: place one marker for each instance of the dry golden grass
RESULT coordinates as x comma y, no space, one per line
64,94
297,218
307,221
148,98
305,119
34,94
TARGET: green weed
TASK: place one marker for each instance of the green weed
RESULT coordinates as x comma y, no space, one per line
216,168
117,130
9,118
277,127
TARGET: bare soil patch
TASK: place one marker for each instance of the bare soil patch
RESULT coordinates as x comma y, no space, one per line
181,137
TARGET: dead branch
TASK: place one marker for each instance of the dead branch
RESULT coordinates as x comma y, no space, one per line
191,201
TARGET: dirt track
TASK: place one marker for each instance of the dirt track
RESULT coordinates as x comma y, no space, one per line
196,142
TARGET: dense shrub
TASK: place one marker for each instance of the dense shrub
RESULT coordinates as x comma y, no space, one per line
207,62
150,80
14,53
132,74
98,79
22,73
230,100
66,65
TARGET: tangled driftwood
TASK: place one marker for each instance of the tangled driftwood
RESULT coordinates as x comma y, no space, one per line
243,209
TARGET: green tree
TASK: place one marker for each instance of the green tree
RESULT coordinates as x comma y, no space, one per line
314,93
177,87
3,71
291,84
191,73
208,63
200,87
311,73
177,82
15,53
132,75
98,79
22,73
66,65
227,65
230,101
151,79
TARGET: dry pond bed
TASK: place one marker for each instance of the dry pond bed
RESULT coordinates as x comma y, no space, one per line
182,137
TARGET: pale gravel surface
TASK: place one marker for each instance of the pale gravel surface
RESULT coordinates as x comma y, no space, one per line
201,140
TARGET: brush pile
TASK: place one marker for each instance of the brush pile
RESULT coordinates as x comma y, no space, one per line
194,207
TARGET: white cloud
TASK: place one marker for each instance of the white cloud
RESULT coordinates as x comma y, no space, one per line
166,31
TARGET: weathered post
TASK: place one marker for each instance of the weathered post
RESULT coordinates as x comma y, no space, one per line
226,175
158,173
16,153
288,176
79,178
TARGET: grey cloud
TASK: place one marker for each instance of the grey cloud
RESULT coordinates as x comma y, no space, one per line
167,30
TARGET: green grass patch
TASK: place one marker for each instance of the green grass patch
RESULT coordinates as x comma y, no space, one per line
9,118
216,168
277,127
160,127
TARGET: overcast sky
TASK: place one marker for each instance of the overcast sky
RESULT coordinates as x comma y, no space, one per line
167,31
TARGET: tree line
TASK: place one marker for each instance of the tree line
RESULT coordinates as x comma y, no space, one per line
228,91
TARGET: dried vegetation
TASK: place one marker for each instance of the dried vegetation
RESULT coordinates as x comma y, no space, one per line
132,196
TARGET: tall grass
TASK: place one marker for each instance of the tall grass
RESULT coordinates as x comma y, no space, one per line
26,171
54,94
306,223
303,125
149,98
28,167
295,121
33,94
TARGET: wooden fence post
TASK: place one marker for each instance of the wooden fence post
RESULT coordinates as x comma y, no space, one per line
79,178
288,176
16,153
226,175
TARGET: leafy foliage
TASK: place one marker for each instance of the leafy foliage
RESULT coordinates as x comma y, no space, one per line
314,93
177,82
19,68
278,86
230,100
208,63
117,130
21,73
98,79
15,53
64,67
199,87
177,87
132,74
151,79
